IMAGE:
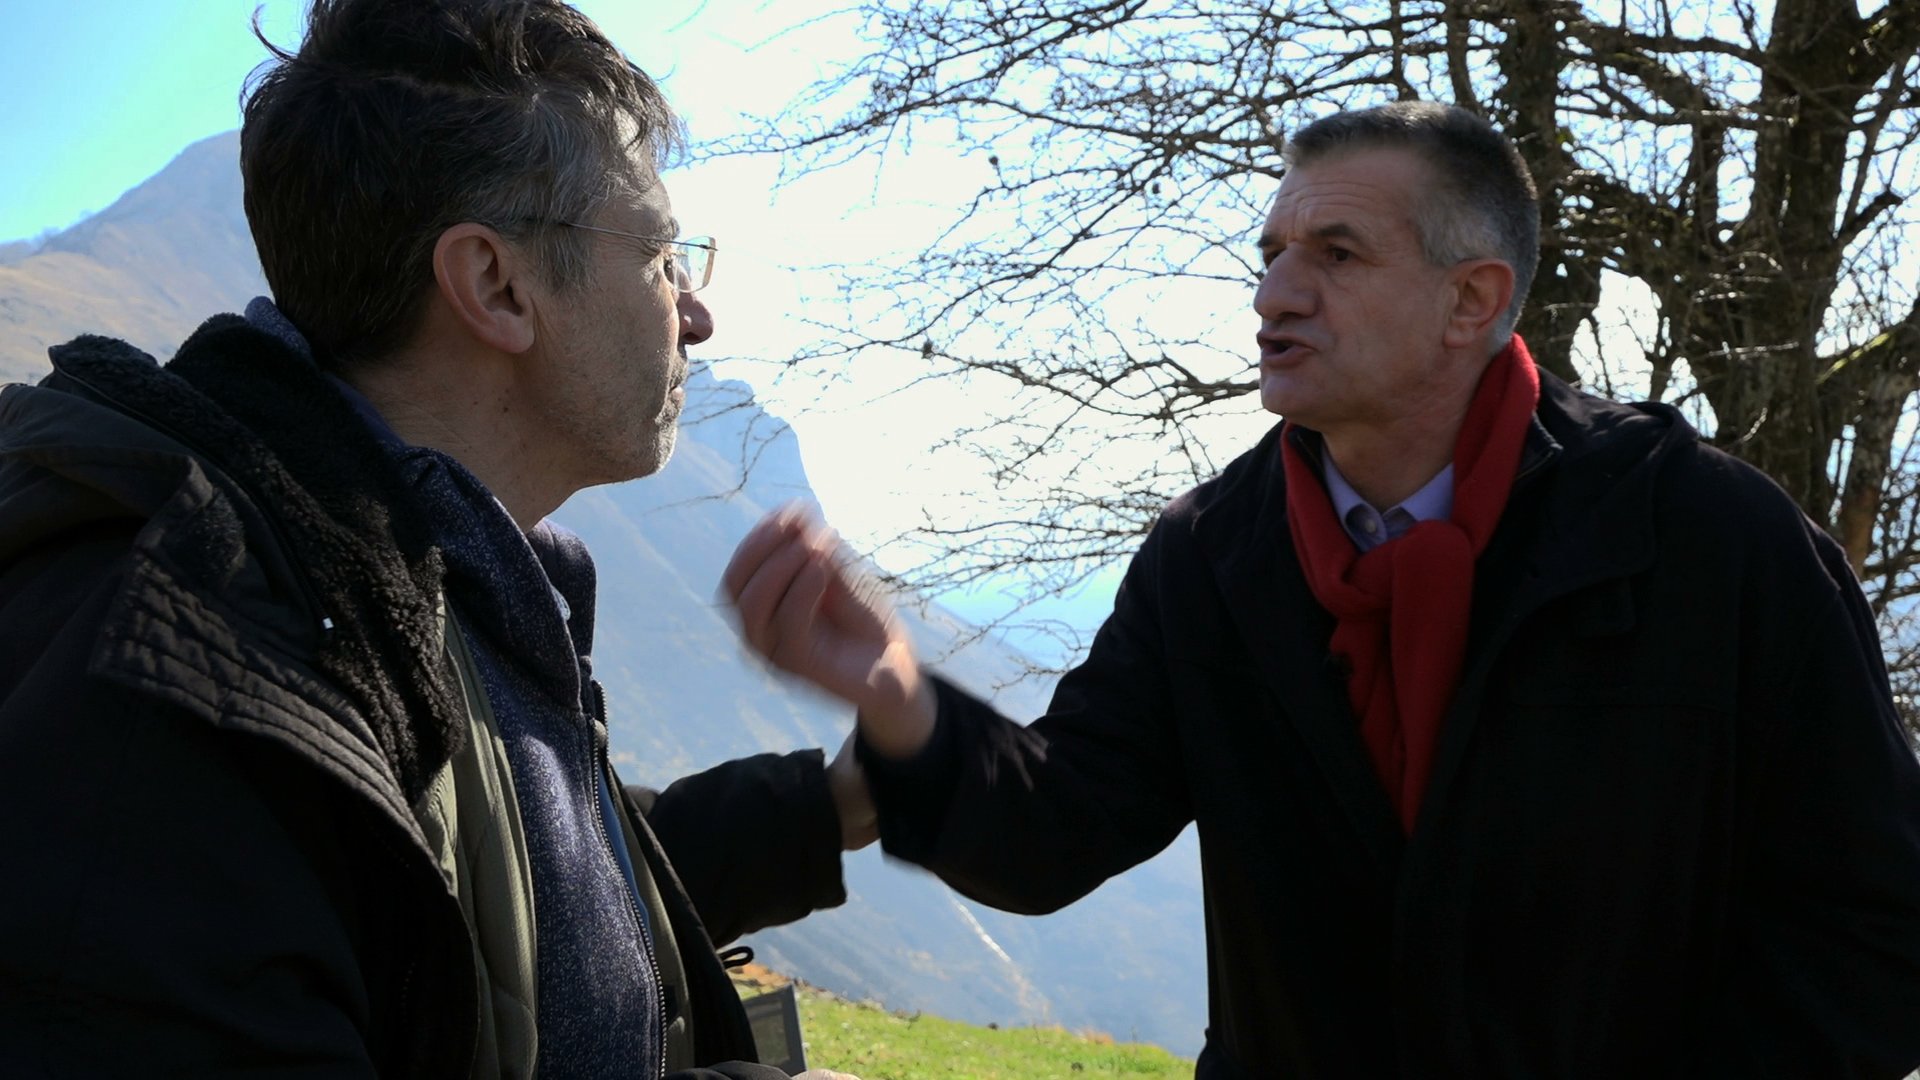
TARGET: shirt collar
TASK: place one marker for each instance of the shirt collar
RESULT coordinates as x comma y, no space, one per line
1433,502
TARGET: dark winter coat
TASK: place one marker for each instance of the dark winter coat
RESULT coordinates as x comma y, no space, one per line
254,820
1673,828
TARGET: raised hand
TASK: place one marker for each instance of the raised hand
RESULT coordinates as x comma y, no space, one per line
806,607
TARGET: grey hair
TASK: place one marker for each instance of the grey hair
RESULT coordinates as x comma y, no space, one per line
398,119
1483,203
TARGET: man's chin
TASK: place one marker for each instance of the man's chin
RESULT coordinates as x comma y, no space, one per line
1280,396
1300,396
669,437
645,461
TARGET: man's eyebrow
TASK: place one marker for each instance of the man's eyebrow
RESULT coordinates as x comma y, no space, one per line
1338,230
1333,230
673,228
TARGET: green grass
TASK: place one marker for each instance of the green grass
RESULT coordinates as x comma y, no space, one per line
874,1044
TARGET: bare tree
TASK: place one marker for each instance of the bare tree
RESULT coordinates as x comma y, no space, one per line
1743,169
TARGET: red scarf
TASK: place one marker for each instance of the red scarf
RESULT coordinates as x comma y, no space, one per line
1401,610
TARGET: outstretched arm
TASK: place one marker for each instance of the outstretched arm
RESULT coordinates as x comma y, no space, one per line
1023,818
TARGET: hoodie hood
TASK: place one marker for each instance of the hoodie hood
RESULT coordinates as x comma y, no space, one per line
266,512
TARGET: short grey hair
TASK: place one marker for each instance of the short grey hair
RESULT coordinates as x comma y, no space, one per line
1483,204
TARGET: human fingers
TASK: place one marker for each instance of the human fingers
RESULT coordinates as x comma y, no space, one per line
760,597
795,622
776,528
858,599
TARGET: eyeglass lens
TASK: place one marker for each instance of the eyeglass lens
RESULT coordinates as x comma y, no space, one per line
694,263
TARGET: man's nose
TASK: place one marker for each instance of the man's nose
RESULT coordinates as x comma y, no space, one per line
696,321
1284,292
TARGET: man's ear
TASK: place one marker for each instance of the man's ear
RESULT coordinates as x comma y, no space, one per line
486,286
1482,289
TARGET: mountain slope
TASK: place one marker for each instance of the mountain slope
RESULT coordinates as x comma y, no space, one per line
683,696
148,268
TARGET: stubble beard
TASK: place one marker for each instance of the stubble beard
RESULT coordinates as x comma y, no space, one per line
656,442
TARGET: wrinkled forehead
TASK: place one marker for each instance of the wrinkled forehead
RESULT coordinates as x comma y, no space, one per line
1366,191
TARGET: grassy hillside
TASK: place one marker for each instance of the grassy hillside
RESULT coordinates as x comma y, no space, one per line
874,1044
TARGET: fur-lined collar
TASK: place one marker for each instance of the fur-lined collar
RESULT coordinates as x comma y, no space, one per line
280,430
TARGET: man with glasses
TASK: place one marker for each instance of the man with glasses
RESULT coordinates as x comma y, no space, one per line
1527,735
302,766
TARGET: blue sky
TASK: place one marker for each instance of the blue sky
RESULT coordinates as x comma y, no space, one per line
99,96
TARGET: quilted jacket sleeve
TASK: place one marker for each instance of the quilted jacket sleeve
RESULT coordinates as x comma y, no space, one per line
755,841
174,905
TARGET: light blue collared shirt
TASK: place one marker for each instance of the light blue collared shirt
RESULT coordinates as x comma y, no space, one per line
1369,527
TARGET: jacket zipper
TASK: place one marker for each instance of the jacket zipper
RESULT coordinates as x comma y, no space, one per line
605,775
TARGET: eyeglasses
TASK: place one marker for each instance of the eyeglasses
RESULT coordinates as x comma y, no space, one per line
692,257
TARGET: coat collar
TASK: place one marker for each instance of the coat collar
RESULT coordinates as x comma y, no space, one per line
273,469
1581,513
